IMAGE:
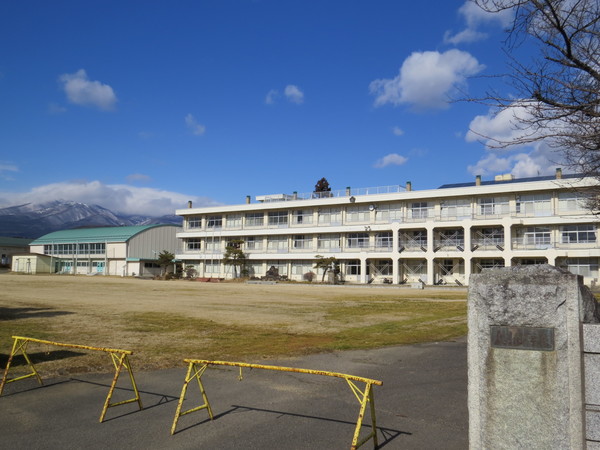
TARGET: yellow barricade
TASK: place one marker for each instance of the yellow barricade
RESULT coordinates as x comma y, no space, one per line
196,368
119,358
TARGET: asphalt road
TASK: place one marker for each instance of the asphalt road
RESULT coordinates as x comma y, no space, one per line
421,405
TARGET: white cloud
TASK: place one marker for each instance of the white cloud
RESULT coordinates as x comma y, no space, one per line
464,36
504,126
531,157
291,92
393,159
271,96
538,160
82,91
118,197
427,79
196,128
398,131
490,164
294,94
5,169
475,17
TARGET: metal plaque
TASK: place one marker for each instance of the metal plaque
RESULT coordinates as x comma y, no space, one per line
522,338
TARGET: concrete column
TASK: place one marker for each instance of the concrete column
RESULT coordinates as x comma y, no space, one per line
467,265
430,270
264,268
467,231
430,238
507,238
363,270
395,271
555,236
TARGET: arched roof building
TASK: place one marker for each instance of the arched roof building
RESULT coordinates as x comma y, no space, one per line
126,251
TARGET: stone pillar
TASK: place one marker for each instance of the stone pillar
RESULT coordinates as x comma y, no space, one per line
525,358
591,348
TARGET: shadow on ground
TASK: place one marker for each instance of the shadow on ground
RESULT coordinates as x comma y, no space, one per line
384,435
39,357
29,313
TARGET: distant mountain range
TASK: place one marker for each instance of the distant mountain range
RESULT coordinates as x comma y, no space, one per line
35,220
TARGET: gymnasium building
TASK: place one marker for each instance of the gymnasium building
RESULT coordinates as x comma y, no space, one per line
124,251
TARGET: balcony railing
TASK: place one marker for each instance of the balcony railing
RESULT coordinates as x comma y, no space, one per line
449,244
529,244
257,249
487,244
408,216
331,194
412,245
576,245
302,246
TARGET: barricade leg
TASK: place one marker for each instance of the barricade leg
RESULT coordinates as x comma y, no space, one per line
119,362
364,398
19,345
131,377
197,373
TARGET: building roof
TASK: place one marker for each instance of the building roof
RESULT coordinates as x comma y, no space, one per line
103,234
14,242
514,180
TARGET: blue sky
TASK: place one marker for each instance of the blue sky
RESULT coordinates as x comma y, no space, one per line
140,106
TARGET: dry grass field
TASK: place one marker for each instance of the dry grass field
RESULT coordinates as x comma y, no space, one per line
163,322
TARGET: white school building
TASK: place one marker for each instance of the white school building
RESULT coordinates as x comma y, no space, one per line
398,235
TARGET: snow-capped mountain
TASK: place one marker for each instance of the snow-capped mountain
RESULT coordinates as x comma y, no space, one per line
34,220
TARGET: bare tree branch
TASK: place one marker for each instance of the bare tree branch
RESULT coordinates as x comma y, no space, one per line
559,89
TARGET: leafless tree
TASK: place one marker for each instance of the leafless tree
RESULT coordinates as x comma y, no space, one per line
558,90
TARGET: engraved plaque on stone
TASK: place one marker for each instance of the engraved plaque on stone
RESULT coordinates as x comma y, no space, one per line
522,338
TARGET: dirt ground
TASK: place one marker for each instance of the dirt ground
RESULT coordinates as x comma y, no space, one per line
176,319
229,303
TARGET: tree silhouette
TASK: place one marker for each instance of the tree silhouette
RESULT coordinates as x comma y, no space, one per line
327,264
234,256
165,258
322,188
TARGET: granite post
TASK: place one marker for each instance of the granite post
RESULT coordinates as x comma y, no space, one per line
526,382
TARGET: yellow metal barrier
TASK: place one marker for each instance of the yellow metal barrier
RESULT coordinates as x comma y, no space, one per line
196,368
119,358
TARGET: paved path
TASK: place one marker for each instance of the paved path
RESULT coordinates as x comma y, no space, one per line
422,405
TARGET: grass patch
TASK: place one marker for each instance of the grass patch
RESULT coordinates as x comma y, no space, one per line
415,321
182,337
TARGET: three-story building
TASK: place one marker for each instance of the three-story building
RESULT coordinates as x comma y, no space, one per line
400,235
